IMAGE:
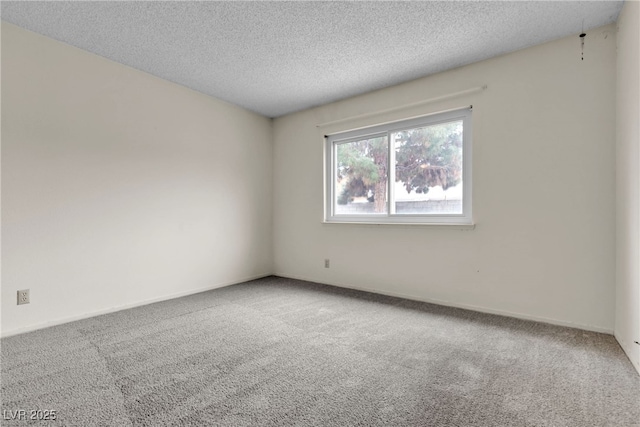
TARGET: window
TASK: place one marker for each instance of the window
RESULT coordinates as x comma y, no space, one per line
413,171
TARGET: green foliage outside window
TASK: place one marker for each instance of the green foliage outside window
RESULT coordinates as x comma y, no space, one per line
424,157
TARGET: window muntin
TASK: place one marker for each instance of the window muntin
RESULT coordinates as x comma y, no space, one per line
413,171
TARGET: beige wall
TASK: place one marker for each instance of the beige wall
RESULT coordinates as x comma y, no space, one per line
544,191
627,325
119,188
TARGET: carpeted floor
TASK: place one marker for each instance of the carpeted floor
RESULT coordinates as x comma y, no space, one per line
284,352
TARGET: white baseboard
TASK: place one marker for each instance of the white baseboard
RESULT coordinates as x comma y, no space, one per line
457,305
342,285
63,320
626,347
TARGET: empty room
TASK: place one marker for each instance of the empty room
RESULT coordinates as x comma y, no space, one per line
320,213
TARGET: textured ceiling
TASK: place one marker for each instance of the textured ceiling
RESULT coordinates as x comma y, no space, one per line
278,57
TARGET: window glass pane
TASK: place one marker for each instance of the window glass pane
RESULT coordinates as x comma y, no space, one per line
361,180
429,169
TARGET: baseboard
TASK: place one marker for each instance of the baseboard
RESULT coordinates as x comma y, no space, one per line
69,319
625,345
458,305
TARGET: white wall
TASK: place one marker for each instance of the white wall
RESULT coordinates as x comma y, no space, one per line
120,188
544,191
627,325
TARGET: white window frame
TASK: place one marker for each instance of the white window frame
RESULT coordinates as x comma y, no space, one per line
331,141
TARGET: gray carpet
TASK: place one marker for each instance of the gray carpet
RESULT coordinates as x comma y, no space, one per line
284,352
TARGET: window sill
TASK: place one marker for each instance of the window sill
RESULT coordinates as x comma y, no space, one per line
446,225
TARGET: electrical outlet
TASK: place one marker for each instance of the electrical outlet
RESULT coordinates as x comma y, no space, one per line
326,263
23,297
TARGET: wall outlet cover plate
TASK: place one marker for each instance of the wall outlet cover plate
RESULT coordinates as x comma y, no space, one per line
23,297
